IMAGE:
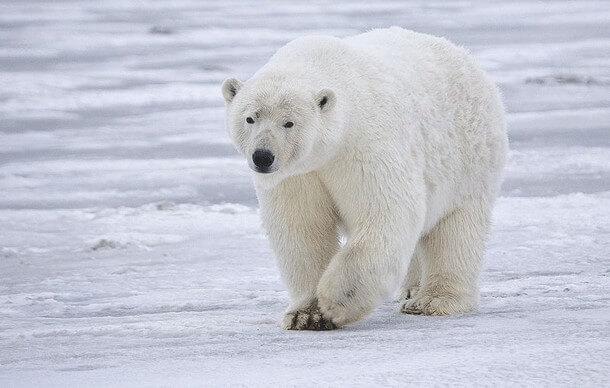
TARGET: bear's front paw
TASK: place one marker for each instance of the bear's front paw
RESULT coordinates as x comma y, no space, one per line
343,306
448,304
310,318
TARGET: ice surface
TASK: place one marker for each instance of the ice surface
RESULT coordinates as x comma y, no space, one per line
130,246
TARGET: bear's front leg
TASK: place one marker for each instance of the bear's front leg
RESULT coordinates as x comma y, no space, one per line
301,223
371,265
383,212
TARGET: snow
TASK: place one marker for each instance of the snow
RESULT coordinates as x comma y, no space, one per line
130,246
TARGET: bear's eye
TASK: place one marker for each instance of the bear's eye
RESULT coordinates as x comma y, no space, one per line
249,120
289,124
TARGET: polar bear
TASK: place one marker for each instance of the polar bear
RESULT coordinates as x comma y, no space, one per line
377,158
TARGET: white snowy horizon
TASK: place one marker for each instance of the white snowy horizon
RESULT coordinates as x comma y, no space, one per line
130,247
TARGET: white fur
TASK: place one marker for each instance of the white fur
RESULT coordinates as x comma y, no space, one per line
404,159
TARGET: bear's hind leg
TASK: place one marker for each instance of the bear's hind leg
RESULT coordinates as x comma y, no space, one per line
452,262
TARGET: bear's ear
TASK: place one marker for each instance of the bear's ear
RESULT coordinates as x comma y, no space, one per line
325,99
230,87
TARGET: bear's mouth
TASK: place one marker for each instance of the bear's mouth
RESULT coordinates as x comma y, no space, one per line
263,170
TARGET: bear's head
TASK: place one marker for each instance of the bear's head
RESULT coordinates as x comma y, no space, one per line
281,128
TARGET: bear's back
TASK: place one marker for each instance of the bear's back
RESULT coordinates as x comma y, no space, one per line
309,56
402,56
402,50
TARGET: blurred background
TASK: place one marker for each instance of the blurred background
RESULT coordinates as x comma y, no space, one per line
130,246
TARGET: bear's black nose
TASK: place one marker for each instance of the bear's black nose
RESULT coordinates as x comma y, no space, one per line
262,159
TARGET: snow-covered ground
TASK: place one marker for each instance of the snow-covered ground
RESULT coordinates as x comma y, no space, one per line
130,246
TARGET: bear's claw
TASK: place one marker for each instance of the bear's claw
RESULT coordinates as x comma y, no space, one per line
307,319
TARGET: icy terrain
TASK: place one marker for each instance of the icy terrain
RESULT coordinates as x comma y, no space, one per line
130,246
